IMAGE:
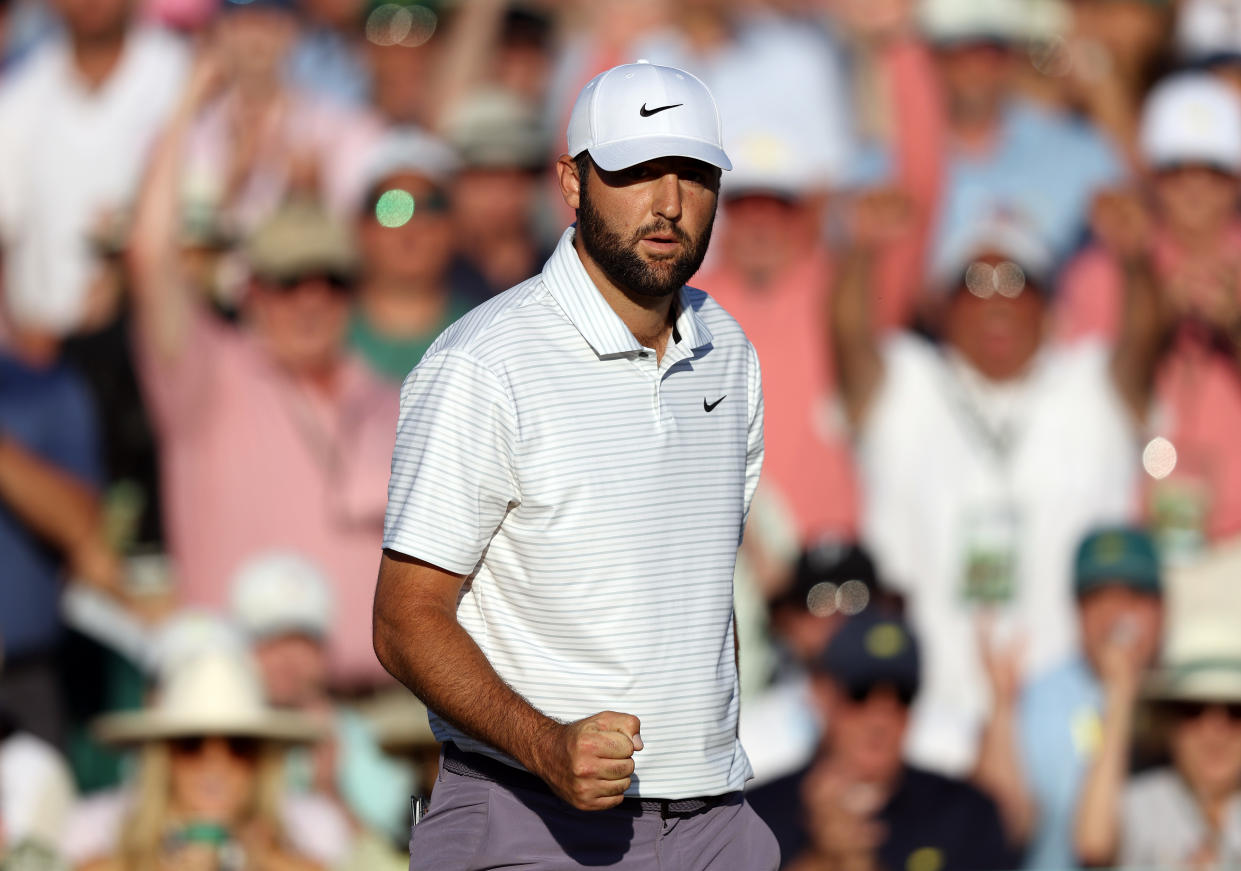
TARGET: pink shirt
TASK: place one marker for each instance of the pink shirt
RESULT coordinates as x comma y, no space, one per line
808,458
1198,391
252,460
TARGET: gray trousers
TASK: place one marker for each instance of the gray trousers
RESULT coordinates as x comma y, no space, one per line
479,825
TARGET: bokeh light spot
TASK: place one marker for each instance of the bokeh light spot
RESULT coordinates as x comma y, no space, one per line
394,208
821,600
1159,458
852,598
395,24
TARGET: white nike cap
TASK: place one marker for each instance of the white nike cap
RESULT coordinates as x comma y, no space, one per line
638,112
1192,118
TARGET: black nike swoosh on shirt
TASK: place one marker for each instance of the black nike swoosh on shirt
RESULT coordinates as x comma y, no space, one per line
646,113
711,407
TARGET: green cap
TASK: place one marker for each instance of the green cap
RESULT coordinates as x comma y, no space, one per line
1121,555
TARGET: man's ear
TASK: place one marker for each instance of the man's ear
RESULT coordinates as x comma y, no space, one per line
570,183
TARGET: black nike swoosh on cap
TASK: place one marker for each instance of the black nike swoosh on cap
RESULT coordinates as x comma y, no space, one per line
646,113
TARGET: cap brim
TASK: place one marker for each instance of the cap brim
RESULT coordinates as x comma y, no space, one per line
1208,686
136,727
614,156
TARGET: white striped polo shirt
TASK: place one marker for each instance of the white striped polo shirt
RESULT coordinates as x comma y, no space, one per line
595,498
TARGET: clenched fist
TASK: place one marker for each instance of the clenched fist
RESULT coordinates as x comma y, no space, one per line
589,763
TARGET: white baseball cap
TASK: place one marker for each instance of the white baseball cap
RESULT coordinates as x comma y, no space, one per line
278,593
1208,30
638,112
1192,118
769,159
1003,230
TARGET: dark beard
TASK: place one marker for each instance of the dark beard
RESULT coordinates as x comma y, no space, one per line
621,262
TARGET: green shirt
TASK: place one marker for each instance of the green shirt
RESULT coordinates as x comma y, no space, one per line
393,357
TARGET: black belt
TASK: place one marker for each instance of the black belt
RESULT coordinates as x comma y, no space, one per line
481,767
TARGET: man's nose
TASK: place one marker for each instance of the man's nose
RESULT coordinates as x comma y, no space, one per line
667,197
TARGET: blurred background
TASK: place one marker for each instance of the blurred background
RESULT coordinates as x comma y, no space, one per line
989,252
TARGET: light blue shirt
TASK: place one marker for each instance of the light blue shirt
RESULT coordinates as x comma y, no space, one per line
1045,166
1058,732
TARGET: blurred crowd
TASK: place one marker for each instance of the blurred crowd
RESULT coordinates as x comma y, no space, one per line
989,253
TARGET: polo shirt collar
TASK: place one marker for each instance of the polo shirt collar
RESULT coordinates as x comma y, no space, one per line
566,278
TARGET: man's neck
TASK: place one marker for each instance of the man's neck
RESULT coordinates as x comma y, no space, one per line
96,59
400,308
649,318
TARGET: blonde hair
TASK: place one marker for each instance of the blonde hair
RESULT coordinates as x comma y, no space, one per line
150,816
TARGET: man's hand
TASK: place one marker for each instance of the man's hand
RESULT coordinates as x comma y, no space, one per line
840,818
879,218
1122,223
1120,662
589,763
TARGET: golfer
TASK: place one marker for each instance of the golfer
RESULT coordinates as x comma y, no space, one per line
572,471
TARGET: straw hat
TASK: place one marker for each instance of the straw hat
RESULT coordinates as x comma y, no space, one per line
1201,664
212,694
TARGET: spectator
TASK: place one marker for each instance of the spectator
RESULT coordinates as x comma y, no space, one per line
984,458
284,604
1188,814
77,118
255,138
36,794
207,790
314,825
495,193
1189,249
50,523
771,274
830,581
1041,739
1099,58
1002,151
315,479
858,805
407,294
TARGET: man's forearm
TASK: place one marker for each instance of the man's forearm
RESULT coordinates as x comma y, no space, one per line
1142,335
858,365
439,661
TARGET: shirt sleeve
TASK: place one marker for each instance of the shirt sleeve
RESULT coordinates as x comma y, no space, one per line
453,477
754,435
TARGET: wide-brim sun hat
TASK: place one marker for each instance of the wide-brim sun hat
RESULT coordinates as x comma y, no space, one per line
213,694
1201,663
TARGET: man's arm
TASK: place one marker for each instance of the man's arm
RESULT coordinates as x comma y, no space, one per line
998,770
1122,223
879,218
417,638
1096,838
164,301
61,510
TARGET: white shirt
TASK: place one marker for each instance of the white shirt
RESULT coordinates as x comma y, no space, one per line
69,155
1162,825
596,504
950,464
36,790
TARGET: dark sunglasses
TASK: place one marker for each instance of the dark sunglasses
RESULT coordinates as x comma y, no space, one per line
1190,710
338,283
240,747
859,693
